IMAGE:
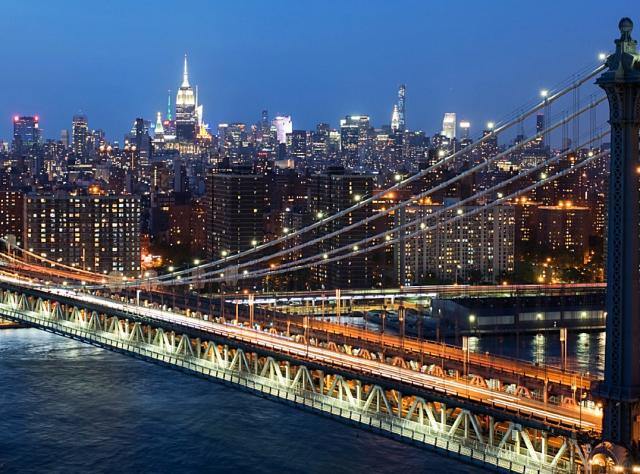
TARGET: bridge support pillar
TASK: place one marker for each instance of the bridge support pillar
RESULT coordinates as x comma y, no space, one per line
621,386
492,431
443,417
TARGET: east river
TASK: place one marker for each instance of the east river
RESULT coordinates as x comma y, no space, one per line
68,407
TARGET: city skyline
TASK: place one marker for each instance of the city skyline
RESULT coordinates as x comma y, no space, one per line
241,72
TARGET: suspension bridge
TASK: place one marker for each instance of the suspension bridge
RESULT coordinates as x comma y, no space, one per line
502,413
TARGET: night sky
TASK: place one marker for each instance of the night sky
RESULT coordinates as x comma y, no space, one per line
318,61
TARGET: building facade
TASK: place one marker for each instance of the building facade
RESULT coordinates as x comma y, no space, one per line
235,212
99,233
330,192
479,246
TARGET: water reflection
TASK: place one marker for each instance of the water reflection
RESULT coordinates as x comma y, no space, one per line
585,351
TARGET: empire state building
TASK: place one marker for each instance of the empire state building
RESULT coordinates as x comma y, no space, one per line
186,116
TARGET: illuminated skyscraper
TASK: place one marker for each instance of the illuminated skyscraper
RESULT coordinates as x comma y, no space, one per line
26,132
79,134
449,125
186,116
284,126
401,118
354,139
395,119
158,131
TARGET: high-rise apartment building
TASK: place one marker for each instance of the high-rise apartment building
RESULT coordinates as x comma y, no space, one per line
564,228
100,233
12,215
330,192
479,247
235,211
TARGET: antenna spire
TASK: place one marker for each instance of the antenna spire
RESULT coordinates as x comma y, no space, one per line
185,74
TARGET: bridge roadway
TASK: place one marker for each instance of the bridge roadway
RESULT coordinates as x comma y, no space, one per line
567,417
563,382
487,364
425,291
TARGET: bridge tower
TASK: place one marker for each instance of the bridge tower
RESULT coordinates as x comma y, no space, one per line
621,387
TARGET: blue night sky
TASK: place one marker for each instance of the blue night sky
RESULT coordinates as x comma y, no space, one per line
115,60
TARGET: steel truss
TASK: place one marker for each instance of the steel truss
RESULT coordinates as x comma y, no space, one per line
500,444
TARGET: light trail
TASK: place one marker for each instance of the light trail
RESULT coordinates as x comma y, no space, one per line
589,419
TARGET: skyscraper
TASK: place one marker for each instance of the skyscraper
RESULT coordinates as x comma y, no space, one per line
330,192
79,134
235,210
401,118
186,119
395,119
284,126
158,130
449,125
26,132
354,139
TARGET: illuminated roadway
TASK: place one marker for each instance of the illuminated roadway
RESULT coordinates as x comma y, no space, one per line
449,352
566,416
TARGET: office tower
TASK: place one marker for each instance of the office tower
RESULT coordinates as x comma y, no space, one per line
235,206
320,147
395,119
465,125
186,118
449,125
142,141
158,131
354,139
80,135
330,192
401,108
264,120
284,126
298,146
100,233
26,133
233,139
